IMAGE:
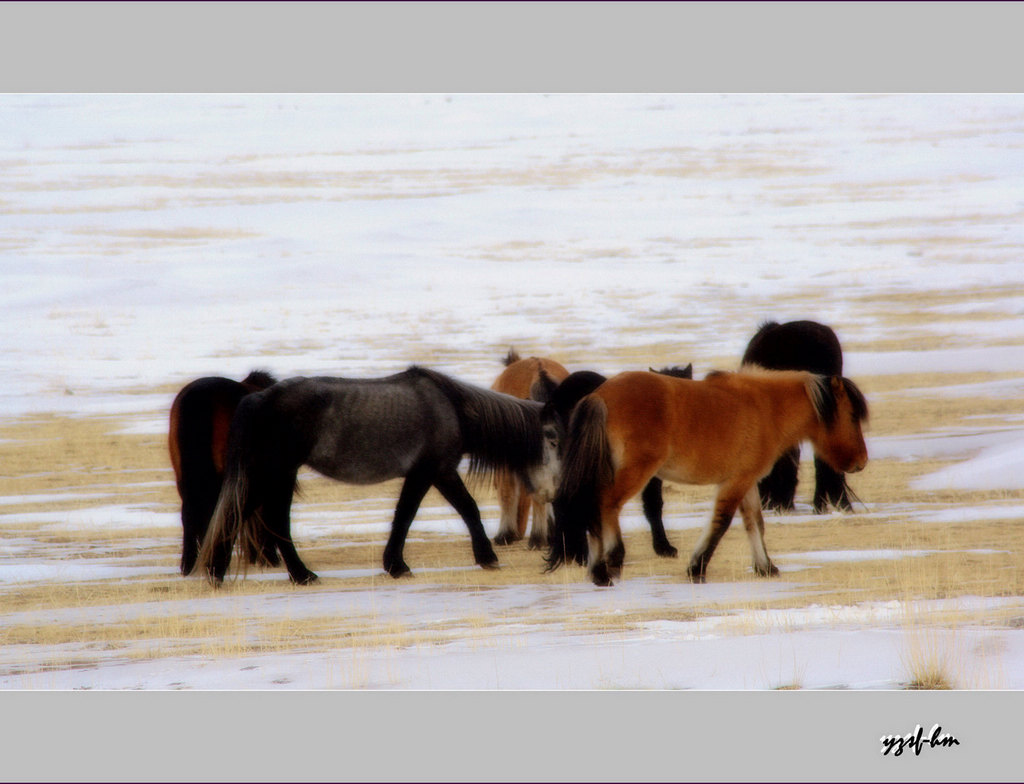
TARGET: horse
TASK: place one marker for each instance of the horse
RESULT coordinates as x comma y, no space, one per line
799,345
417,424
580,384
197,440
726,430
534,378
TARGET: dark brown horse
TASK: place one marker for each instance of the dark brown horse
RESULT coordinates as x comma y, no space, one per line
197,439
799,345
533,378
727,430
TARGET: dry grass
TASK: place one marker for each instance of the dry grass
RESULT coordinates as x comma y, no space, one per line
53,465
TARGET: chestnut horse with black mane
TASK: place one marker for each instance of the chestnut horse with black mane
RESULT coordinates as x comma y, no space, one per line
799,345
198,439
533,378
727,430
580,384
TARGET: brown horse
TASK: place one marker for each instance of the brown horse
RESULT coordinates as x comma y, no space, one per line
197,440
533,378
727,430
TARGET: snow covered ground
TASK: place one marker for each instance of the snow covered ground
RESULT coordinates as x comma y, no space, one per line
149,240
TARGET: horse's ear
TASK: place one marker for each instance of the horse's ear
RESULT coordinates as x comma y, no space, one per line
542,389
687,371
511,357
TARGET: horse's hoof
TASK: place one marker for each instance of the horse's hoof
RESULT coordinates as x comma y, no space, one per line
695,576
398,570
666,551
600,575
486,559
771,571
306,579
537,543
506,538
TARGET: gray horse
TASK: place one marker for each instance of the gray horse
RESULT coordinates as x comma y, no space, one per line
417,424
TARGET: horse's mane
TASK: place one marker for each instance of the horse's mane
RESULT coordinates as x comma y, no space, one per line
819,388
259,379
499,431
573,388
675,371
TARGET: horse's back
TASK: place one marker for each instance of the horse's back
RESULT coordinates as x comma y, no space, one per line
518,376
796,345
701,431
365,431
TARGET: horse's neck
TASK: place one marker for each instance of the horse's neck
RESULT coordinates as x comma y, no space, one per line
795,414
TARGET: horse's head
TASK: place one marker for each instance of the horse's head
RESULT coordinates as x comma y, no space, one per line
841,409
543,477
563,399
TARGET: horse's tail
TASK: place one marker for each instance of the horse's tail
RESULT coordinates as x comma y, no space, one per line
499,432
587,468
237,520
190,439
200,416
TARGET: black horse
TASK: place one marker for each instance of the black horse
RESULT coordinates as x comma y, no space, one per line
799,345
197,439
417,424
563,398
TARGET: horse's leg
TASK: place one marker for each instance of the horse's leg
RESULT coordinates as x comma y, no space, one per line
541,525
653,505
193,528
522,509
199,490
607,552
454,491
509,489
277,516
778,489
829,488
753,522
728,500
220,561
417,482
